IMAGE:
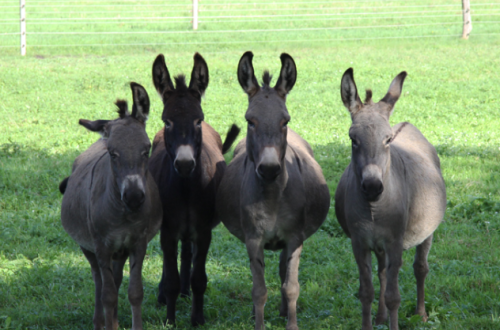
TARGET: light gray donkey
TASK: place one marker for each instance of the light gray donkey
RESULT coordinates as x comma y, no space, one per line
111,206
273,194
390,198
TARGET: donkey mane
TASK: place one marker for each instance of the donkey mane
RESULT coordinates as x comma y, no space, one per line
180,83
122,108
368,97
266,79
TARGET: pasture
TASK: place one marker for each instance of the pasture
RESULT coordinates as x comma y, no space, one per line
450,94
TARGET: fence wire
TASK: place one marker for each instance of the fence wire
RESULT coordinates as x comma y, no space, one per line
107,23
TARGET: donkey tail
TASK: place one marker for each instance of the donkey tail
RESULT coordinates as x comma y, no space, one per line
231,136
63,185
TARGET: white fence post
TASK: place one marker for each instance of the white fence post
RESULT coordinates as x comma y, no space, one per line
467,19
22,4
195,14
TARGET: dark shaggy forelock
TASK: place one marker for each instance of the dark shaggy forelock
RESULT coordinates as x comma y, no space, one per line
266,79
368,97
180,82
122,108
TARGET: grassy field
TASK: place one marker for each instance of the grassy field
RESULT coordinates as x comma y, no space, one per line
451,94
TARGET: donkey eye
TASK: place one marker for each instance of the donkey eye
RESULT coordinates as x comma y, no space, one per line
198,124
113,155
145,154
251,125
388,141
285,124
168,124
354,143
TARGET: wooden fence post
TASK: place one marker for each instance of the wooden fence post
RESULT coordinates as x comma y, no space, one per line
195,14
22,5
467,19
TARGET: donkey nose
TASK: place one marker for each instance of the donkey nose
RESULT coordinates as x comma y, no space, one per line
269,166
184,167
134,198
372,187
184,162
269,172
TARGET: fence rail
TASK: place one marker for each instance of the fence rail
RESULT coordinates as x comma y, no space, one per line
104,23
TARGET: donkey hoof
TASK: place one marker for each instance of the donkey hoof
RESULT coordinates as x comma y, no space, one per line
185,294
197,321
170,324
283,312
380,319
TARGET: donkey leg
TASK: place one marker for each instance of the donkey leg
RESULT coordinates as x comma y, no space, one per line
291,287
363,258
283,267
98,319
382,308
186,260
170,280
135,290
118,277
109,295
392,296
259,290
199,277
421,269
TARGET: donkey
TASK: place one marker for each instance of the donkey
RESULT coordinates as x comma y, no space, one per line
390,198
273,195
187,164
111,206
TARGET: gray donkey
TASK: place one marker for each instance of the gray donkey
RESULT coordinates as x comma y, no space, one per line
390,198
111,206
273,194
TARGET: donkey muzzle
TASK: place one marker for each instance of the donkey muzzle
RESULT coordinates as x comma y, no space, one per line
372,188
184,162
371,183
132,192
269,166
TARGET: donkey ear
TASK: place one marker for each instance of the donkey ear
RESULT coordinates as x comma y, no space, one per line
393,94
349,92
288,75
246,75
395,89
161,77
140,109
98,126
199,75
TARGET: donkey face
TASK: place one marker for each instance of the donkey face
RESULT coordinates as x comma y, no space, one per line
267,115
370,132
182,113
128,146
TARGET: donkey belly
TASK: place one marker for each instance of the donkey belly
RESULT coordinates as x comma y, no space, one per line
426,211
79,232
419,230
74,216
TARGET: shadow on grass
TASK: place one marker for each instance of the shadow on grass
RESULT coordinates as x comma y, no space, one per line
45,281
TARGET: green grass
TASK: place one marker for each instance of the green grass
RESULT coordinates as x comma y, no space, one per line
451,94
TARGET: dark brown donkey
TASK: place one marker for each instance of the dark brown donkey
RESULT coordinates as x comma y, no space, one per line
111,206
390,198
187,165
273,195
